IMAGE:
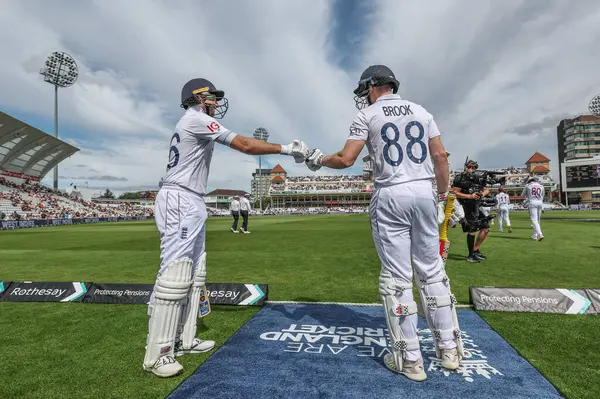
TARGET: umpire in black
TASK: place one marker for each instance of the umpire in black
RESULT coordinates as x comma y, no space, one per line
235,212
245,210
470,196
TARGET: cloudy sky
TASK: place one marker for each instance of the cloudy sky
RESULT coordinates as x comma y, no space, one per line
498,76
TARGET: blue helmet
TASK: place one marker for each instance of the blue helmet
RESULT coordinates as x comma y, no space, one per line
202,91
375,75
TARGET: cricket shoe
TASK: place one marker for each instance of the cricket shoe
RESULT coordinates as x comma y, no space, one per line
500,231
165,366
412,370
244,231
198,346
234,230
450,359
540,237
472,259
479,256
534,237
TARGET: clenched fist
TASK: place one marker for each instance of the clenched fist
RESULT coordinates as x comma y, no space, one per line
314,158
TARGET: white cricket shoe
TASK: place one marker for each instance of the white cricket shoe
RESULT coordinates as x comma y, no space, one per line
198,346
165,366
412,370
245,231
450,359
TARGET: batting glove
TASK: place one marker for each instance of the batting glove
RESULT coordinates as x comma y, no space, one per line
314,158
297,149
443,196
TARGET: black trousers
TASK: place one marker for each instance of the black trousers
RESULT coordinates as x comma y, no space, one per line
245,223
236,216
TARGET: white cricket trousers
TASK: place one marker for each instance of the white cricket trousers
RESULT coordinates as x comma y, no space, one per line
503,216
535,210
180,217
404,226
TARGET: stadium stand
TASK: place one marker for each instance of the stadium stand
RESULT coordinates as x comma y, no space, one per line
352,193
30,201
27,154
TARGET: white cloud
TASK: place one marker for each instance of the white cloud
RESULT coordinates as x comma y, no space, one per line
481,67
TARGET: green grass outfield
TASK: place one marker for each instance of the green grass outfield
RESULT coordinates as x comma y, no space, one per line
60,350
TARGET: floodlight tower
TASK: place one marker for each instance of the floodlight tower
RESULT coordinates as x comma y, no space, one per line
594,106
260,133
60,70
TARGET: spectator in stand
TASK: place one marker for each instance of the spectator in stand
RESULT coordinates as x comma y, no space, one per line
235,212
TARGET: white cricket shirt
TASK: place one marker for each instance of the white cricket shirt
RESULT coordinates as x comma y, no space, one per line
502,199
191,150
245,204
397,134
534,192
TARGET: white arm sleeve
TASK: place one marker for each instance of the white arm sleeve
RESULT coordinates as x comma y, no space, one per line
204,127
359,129
433,128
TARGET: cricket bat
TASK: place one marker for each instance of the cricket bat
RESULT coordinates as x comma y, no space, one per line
444,241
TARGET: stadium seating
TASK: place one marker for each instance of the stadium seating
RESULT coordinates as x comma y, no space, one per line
27,201
323,184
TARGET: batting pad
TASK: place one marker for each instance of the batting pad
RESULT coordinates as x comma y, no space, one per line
335,351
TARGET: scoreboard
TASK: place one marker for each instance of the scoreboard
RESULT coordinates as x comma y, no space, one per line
586,176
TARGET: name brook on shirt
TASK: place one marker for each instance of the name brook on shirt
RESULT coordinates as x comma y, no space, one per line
396,110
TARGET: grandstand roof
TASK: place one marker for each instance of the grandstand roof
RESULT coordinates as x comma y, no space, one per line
540,169
537,157
277,178
226,192
277,169
28,152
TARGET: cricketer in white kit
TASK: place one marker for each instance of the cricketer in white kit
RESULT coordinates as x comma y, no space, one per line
503,202
402,138
534,196
180,214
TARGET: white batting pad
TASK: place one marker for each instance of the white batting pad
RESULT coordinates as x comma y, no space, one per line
171,288
191,311
440,311
401,317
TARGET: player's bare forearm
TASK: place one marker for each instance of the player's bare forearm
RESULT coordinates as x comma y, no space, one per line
337,161
442,174
346,157
460,195
252,146
440,164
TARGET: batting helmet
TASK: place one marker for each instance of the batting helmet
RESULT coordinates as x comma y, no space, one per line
373,76
202,91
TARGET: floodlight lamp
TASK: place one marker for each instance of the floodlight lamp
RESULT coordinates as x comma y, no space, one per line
594,106
60,70
260,133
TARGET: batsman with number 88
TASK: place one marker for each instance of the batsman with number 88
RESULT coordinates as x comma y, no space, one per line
402,138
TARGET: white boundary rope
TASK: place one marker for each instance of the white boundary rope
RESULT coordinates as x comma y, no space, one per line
340,303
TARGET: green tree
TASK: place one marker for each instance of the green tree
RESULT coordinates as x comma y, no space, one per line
108,194
130,196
